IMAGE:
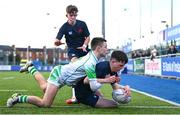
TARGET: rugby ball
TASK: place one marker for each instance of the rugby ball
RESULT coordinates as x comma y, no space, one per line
119,96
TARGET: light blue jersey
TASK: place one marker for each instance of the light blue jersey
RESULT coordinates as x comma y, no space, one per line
71,73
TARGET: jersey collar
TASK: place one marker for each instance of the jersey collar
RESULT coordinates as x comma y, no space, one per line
94,56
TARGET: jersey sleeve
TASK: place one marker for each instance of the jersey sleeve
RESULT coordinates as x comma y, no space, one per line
61,32
86,31
90,72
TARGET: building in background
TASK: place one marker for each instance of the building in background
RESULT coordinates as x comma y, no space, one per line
10,55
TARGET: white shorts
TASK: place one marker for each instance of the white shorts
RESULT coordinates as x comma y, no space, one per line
54,77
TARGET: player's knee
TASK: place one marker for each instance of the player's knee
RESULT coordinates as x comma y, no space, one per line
43,87
44,104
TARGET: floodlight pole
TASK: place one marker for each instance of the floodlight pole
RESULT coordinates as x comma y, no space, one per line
28,48
140,16
171,13
103,18
45,55
14,54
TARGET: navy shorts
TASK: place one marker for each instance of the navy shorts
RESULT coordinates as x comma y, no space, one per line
84,94
90,100
76,52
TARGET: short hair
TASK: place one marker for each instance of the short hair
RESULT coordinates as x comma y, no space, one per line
120,56
71,9
97,41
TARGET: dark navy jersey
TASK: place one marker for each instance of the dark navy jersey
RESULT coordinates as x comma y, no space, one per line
83,91
75,35
103,69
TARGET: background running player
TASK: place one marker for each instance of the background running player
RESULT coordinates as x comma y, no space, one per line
77,38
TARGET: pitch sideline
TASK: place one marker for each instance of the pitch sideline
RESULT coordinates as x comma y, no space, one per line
156,97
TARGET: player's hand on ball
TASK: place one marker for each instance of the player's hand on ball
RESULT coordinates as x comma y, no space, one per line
119,96
127,90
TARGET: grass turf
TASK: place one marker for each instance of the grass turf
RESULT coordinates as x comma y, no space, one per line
12,82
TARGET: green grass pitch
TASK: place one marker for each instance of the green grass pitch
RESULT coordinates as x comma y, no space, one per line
11,82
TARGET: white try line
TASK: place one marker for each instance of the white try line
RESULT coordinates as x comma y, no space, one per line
65,106
156,97
125,106
121,106
7,90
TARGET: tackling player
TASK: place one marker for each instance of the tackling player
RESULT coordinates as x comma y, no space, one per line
68,74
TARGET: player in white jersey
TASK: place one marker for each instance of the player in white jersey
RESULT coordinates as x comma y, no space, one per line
71,73
64,75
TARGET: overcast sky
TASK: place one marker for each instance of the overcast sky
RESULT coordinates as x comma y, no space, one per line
36,22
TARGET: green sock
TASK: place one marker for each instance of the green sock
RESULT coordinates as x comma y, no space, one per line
23,99
32,70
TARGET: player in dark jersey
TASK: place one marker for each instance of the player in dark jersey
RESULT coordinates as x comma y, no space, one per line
77,38
104,70
76,34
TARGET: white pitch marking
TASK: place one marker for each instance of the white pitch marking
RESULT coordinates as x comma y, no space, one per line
156,97
133,106
6,78
141,107
7,90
